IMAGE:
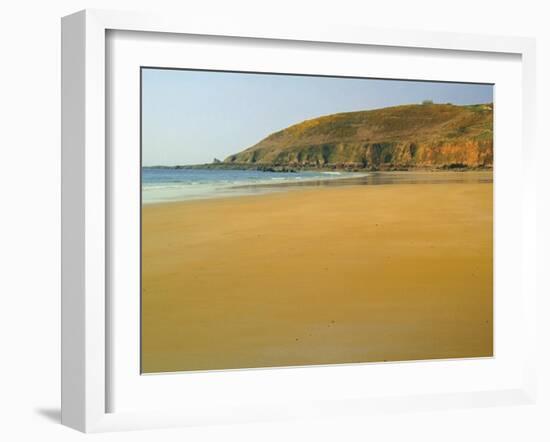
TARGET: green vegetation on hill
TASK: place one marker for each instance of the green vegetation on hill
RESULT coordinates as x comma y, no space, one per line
402,137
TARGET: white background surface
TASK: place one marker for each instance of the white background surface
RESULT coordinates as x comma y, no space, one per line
29,230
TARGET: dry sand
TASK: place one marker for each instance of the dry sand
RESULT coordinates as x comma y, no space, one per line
318,276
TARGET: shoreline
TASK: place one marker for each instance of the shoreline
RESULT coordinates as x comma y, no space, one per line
371,178
264,187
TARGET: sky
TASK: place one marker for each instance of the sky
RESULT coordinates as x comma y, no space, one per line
192,117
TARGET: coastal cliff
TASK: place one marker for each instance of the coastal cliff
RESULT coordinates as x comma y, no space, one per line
427,136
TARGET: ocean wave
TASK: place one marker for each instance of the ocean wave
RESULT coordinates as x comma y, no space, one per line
168,186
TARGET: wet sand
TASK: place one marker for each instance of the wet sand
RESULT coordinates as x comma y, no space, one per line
318,276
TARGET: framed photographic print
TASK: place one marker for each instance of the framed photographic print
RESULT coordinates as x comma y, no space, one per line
267,223
286,252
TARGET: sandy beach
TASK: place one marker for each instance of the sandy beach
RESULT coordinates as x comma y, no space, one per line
318,276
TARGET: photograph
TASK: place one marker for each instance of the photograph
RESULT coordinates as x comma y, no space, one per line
302,220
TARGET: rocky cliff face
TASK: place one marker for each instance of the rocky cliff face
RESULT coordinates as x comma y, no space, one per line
402,137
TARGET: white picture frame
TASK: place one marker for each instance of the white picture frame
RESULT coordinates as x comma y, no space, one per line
85,206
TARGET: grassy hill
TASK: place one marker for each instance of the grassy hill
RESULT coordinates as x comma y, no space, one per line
401,137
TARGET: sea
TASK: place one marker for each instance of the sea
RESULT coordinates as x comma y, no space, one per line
169,184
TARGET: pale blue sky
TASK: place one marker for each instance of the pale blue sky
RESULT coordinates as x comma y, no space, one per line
190,117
